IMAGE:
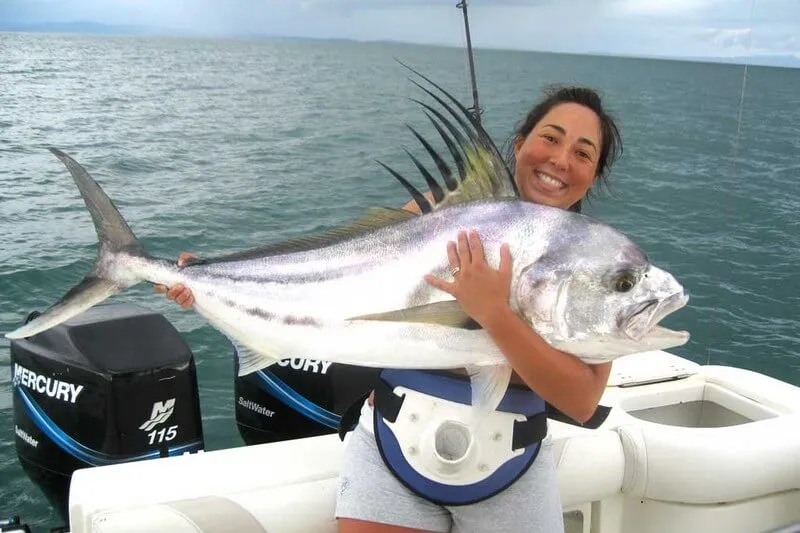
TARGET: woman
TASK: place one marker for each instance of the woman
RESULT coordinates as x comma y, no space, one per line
565,145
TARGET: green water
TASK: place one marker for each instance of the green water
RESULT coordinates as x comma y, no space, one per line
212,146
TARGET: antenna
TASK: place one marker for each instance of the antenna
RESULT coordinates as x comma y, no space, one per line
476,108
744,79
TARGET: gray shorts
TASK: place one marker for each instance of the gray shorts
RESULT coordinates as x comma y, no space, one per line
368,491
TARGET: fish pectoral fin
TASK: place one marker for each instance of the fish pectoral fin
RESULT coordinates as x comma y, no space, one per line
489,385
447,313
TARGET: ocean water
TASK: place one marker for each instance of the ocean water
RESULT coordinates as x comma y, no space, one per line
216,145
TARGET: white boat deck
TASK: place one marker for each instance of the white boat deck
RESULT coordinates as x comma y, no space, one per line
686,448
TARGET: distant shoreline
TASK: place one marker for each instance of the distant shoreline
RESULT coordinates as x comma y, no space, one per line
95,28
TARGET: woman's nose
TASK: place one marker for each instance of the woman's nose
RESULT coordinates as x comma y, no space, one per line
559,157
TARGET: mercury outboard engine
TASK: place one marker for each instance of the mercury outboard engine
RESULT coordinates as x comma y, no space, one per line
296,398
114,384
13,525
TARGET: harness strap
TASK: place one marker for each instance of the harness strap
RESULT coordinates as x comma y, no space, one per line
532,430
387,402
391,403
350,417
597,419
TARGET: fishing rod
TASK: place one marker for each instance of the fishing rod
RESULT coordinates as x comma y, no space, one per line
476,108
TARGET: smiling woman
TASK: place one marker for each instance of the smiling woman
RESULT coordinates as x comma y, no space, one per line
560,150
563,146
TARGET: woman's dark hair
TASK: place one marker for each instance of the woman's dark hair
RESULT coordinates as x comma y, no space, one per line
611,144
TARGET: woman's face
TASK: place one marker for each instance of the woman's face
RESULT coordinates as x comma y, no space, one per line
556,163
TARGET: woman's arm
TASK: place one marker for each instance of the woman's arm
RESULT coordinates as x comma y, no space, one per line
563,380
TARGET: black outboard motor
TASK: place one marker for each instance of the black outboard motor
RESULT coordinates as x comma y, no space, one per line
296,398
114,384
13,525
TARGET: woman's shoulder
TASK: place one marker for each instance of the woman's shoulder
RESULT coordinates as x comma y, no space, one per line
412,204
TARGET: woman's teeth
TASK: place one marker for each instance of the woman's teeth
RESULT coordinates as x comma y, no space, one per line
551,181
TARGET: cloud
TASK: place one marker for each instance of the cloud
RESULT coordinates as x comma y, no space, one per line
659,7
750,41
727,38
449,4
649,27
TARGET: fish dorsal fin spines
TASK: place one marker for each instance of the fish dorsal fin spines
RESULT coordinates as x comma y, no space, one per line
482,172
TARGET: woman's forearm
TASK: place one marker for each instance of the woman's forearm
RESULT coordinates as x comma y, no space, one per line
566,382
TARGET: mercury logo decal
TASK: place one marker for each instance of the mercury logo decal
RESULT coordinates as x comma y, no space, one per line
306,365
50,386
161,412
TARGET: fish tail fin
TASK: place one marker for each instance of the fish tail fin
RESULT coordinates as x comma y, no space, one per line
109,274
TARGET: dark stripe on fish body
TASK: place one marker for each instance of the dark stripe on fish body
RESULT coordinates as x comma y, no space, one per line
252,311
260,313
300,321
286,278
290,320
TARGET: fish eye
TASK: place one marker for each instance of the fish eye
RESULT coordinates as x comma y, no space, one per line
624,282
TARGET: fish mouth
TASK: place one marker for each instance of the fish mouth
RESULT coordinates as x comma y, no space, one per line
643,317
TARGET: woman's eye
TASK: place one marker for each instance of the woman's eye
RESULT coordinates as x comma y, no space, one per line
624,282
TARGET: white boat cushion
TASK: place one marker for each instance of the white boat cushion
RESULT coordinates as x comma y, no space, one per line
776,395
211,513
711,465
590,464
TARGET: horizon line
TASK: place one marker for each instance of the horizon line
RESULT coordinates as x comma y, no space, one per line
123,30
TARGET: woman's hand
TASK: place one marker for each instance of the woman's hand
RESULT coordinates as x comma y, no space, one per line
179,293
563,380
481,290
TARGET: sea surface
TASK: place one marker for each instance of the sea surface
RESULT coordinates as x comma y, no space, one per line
215,145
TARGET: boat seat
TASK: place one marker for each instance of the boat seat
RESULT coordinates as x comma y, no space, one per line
256,511
581,476
211,513
263,479
703,434
778,396
711,465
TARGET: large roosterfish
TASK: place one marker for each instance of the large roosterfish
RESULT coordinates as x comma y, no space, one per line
356,294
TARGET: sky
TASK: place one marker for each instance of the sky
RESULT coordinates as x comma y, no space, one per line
671,28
